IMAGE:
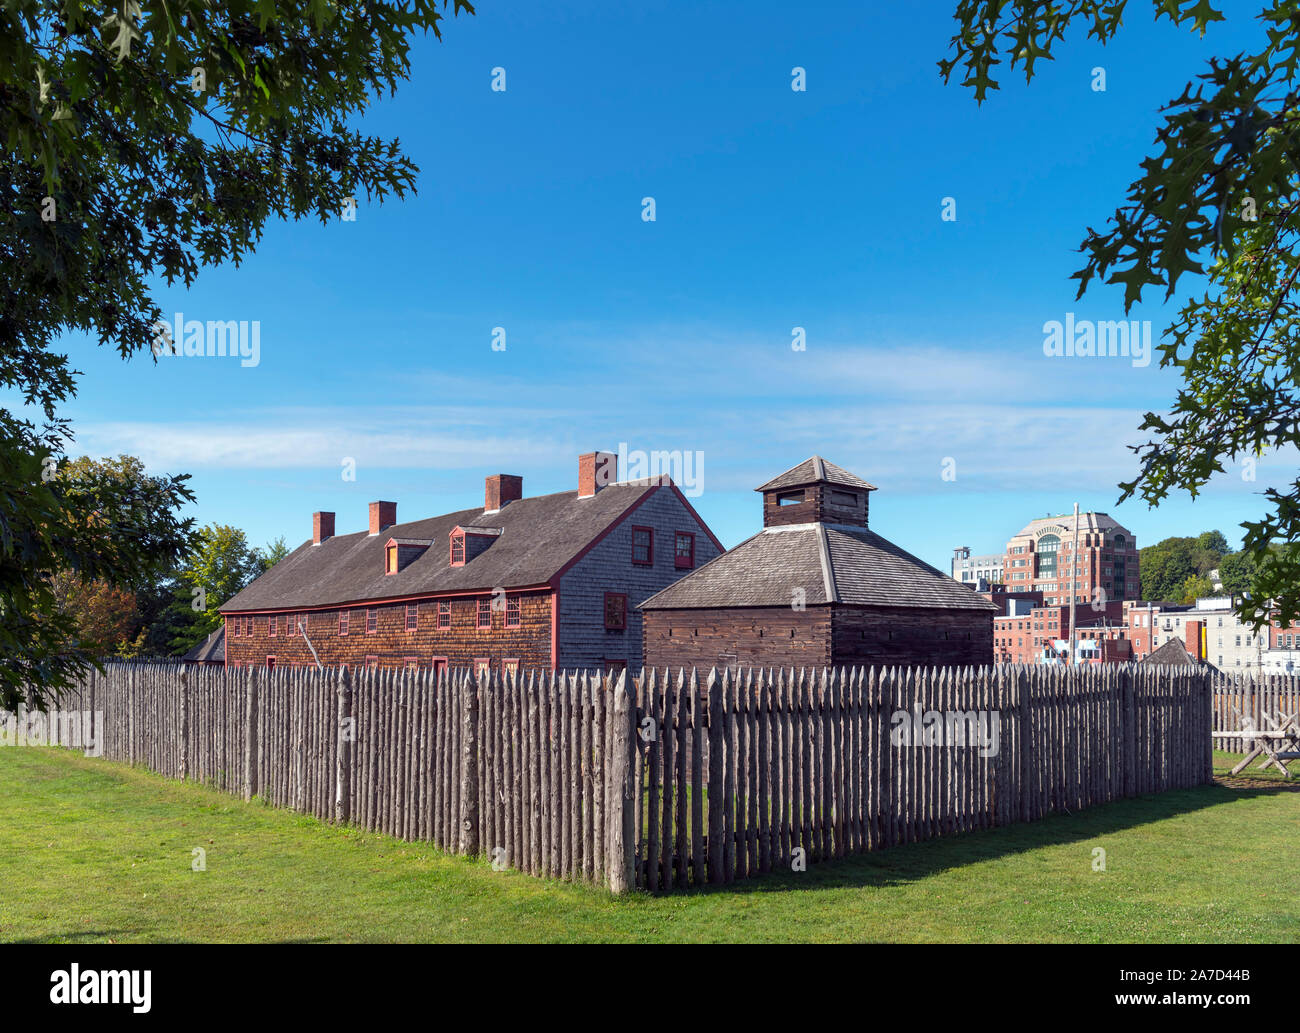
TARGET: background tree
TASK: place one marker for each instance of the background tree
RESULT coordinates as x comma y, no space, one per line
1237,572
141,146
272,553
105,615
1167,565
220,566
93,525
1220,197
1212,543
1195,587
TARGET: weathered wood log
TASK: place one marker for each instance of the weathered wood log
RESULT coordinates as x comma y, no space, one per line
250,733
620,854
469,802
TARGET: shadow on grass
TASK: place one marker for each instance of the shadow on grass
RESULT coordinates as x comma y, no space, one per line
105,936
77,936
899,865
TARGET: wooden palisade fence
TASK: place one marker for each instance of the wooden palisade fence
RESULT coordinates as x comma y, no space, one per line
736,773
1243,703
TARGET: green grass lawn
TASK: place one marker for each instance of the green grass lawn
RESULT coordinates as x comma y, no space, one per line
92,851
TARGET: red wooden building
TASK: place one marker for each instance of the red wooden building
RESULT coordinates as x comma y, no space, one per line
546,582
814,587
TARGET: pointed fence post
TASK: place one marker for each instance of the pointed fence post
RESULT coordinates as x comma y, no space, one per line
620,816
469,803
345,733
250,736
185,723
717,780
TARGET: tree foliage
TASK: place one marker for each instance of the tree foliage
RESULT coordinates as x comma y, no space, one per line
93,525
105,615
1197,586
145,141
220,566
1167,566
273,553
1237,572
1218,198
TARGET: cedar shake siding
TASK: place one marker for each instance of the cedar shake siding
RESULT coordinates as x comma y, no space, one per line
391,643
585,642
533,565
816,586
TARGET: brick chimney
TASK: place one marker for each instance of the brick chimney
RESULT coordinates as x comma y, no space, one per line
322,527
1192,635
500,489
382,515
596,470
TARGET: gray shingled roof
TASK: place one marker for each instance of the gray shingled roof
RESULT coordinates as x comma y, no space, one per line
761,571
1172,653
539,536
810,471
211,650
830,562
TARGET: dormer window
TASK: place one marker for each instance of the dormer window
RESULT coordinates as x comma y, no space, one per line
468,542
400,553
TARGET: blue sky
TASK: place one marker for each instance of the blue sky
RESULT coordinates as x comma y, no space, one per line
774,209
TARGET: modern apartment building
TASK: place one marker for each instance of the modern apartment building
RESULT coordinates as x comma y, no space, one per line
971,570
1042,558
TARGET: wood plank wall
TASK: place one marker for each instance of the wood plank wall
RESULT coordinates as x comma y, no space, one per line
663,782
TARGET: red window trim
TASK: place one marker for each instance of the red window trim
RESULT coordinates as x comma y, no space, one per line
411,663
615,595
514,606
482,661
273,625
439,660
290,625
509,660
270,662
372,662
650,562
390,560
451,550
484,607
412,616
444,613
372,621
344,620
239,627
677,560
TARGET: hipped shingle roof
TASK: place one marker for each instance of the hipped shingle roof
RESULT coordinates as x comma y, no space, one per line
538,537
830,562
813,470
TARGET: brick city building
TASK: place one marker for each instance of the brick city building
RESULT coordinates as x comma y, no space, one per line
536,583
815,587
1040,557
1030,634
